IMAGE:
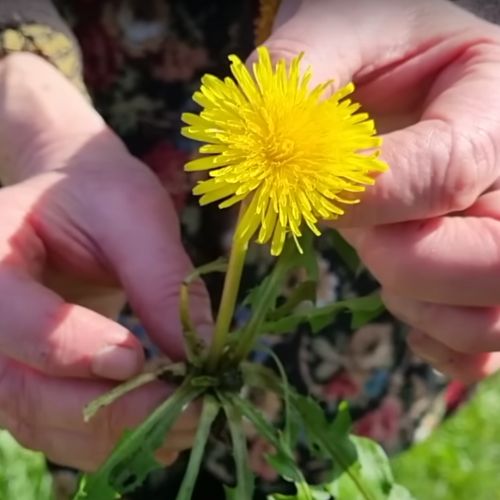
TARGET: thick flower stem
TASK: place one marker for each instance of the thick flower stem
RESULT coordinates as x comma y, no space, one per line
228,300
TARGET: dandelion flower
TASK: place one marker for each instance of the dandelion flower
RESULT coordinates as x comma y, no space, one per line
291,154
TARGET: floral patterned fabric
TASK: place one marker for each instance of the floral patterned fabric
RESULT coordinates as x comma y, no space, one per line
142,61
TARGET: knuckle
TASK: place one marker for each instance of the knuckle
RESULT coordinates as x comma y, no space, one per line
287,47
142,188
468,171
47,353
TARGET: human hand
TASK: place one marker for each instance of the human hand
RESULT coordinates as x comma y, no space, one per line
82,221
429,230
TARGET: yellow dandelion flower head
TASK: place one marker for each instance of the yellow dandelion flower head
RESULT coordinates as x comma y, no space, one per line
289,152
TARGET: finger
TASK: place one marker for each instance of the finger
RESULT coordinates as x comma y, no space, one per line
307,27
448,260
464,329
59,403
47,414
57,338
440,164
444,162
145,249
80,450
106,300
66,448
468,368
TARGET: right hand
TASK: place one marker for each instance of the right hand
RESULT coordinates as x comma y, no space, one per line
81,223
428,72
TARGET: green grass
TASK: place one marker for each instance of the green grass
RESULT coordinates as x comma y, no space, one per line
462,458
23,475
459,462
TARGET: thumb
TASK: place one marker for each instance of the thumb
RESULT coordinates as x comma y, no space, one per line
144,247
325,39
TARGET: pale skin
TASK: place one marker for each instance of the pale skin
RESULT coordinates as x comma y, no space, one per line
429,230
83,223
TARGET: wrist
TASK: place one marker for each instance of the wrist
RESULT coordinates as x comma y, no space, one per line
44,119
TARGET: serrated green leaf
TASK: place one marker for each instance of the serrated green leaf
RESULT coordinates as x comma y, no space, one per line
288,260
133,457
362,470
210,410
257,375
252,296
305,291
263,299
282,460
333,443
363,310
317,494
366,309
375,471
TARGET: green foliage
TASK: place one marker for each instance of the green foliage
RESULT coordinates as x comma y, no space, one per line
283,459
360,467
362,309
461,459
23,473
133,458
458,462
354,459
262,299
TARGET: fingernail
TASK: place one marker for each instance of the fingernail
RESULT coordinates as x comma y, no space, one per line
116,362
166,458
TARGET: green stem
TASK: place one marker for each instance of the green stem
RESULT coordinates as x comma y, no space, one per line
228,300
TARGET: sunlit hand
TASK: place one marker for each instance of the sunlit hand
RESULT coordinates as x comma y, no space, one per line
83,224
429,230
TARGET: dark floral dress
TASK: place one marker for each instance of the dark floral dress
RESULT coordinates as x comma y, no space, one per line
142,61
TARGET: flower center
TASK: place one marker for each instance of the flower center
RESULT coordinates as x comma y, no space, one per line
278,152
